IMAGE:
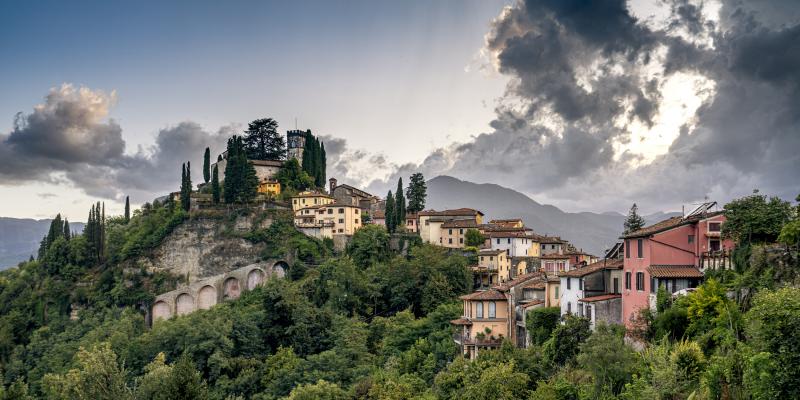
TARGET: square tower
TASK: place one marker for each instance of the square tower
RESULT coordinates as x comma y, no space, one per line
295,143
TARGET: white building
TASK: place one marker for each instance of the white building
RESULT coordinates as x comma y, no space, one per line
517,244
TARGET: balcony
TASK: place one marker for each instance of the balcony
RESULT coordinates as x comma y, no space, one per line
465,339
715,260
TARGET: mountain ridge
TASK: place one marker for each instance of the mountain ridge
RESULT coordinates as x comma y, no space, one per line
20,238
592,232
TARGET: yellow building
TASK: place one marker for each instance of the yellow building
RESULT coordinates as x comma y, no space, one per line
309,199
553,291
325,221
430,222
494,267
453,233
484,323
269,187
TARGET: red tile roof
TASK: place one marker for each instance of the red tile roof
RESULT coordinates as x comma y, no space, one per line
674,271
490,294
490,252
537,284
668,224
598,266
461,321
551,239
454,212
602,297
520,279
554,257
460,223
531,303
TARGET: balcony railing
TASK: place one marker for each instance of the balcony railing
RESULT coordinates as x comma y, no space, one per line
716,260
467,339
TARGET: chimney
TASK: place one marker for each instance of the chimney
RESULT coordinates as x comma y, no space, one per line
332,182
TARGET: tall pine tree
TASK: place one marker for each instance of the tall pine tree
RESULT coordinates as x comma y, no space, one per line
207,165
67,233
400,204
416,193
215,185
634,221
323,165
389,214
186,187
263,142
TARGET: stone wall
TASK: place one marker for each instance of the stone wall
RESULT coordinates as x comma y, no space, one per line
206,246
205,293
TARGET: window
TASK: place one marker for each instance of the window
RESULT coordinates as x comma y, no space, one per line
652,285
616,285
341,230
628,280
714,226
491,258
691,239
640,248
356,221
481,258
569,283
341,220
341,211
330,211
461,240
627,248
479,310
294,201
640,281
580,310
588,311
492,309
580,284
461,231
556,291
569,307
449,231
450,241
509,240
713,245
498,241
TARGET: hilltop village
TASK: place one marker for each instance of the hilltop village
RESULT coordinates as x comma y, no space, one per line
515,270
269,280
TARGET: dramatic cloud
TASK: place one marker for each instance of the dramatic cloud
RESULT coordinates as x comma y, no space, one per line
699,102
69,139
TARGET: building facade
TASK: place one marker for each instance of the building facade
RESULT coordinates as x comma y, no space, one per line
484,323
669,252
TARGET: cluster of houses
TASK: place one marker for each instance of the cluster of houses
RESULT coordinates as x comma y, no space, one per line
673,254
517,270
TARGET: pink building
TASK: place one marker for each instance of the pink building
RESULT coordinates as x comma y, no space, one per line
670,253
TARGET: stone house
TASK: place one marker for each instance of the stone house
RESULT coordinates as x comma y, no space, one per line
593,292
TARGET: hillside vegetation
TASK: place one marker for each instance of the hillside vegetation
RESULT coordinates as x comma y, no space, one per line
373,324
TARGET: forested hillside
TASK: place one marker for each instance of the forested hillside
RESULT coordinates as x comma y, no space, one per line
370,323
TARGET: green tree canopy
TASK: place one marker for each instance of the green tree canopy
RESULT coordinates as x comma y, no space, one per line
263,142
755,219
473,237
416,193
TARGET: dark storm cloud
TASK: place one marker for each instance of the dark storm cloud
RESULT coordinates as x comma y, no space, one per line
68,139
583,71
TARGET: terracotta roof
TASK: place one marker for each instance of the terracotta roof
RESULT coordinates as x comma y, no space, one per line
344,185
461,321
511,234
501,221
668,224
454,212
489,252
501,228
551,239
490,294
537,284
598,266
674,271
460,223
313,194
519,279
601,297
380,214
531,303
554,257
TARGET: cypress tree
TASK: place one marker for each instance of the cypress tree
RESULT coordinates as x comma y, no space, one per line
400,204
323,164
186,188
207,165
241,182
215,185
416,193
389,214
127,209
67,233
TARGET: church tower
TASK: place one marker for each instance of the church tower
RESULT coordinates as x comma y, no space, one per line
295,143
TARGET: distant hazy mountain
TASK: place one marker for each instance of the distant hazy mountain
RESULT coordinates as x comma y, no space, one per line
19,238
593,232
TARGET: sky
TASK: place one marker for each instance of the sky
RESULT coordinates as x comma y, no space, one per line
587,105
